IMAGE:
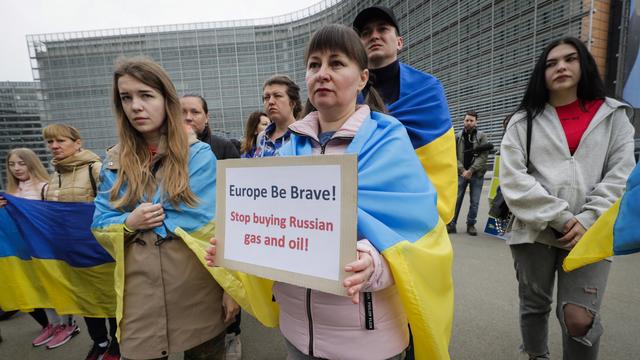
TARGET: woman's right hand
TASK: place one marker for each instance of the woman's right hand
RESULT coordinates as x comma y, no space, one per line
3,202
211,253
146,216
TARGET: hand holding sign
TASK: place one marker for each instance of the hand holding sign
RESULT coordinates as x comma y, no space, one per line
210,258
362,269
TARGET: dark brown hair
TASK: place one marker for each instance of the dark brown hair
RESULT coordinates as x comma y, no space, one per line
249,141
293,91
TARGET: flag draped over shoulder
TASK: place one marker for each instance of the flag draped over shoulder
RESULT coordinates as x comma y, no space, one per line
616,232
195,225
397,213
422,108
50,259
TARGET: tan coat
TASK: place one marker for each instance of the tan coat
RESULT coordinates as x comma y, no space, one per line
171,303
70,181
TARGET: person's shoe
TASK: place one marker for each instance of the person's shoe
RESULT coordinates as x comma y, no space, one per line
451,228
471,230
63,333
234,347
97,352
113,352
45,335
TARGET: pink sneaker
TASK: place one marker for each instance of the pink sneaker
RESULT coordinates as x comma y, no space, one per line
63,333
45,335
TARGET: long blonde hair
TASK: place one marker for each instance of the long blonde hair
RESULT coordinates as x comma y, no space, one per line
135,159
37,172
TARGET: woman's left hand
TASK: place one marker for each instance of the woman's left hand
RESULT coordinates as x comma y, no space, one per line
573,234
231,308
362,269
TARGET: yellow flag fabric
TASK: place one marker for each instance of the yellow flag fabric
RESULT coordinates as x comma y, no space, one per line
597,242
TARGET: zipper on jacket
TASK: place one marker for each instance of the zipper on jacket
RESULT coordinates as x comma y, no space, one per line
322,147
310,318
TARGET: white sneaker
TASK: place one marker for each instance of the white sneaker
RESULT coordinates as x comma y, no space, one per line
233,347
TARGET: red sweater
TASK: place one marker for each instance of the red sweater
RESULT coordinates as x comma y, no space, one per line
575,120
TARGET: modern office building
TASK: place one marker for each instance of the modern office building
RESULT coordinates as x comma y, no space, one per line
20,125
481,50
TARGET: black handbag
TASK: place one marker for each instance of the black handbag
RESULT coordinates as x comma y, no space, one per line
499,208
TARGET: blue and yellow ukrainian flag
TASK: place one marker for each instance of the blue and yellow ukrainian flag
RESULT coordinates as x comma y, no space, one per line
50,259
616,232
397,213
422,109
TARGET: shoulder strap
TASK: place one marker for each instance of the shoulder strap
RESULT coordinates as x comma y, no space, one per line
93,180
529,125
42,191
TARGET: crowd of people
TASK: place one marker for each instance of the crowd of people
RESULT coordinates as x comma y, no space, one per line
565,157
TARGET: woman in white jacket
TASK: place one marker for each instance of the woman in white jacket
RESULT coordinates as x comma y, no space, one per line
580,156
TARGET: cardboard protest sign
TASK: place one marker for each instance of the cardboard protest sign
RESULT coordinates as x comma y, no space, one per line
289,219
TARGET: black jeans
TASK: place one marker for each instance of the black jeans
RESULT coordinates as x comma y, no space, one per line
97,328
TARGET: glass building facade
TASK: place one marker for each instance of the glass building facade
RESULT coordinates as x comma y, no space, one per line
20,125
481,50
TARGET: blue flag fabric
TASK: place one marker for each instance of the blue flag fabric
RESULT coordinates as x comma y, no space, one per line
56,231
626,233
50,259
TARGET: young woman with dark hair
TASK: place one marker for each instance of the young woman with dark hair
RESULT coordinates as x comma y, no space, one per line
256,123
580,155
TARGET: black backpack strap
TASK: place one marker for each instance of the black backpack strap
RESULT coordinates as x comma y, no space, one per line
44,187
529,126
94,187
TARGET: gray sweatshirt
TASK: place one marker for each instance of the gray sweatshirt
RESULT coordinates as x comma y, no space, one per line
562,186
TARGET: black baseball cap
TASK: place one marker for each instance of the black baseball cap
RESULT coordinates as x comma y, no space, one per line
375,12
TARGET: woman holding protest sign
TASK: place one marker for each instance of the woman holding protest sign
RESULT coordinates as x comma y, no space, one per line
580,155
159,189
404,256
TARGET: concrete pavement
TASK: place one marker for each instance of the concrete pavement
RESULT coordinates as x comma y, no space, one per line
485,325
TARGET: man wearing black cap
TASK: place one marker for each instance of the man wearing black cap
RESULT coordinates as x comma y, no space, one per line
415,98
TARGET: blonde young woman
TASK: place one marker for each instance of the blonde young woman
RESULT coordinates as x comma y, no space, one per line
157,182
27,178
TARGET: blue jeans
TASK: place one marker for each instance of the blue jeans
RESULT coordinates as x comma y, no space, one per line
475,189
